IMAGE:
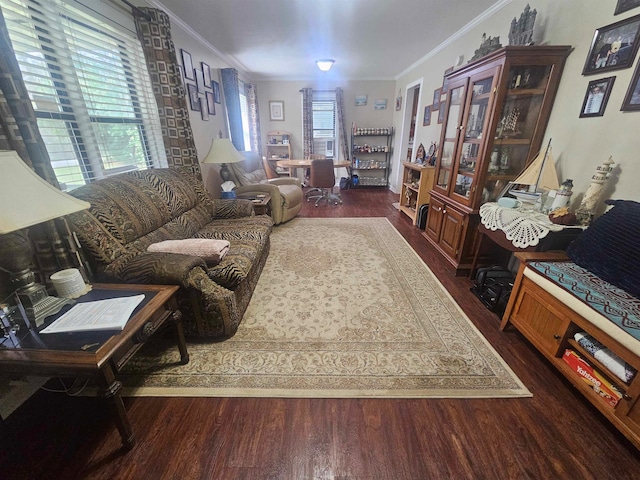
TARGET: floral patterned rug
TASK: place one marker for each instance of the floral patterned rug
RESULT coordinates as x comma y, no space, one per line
344,308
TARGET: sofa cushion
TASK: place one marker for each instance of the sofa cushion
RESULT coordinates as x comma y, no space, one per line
608,248
210,250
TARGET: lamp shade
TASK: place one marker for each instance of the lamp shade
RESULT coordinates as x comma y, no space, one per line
27,199
222,151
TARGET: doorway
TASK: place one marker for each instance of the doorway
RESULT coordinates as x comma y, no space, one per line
408,132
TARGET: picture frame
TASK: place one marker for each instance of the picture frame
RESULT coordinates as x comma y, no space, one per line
596,97
194,98
206,71
380,104
216,91
360,100
624,5
631,100
276,110
211,104
187,64
398,103
441,112
613,47
445,81
436,98
199,80
204,111
426,121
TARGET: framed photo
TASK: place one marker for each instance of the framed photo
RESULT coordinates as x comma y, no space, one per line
441,112
398,103
206,71
631,100
187,64
200,80
436,98
276,110
445,80
211,104
204,111
624,5
216,91
596,97
613,47
194,98
361,100
427,116
380,104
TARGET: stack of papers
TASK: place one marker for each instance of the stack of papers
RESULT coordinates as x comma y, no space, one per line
110,314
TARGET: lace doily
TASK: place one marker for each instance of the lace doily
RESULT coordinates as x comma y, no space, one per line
524,228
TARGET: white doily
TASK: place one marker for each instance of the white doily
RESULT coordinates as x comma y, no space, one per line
524,228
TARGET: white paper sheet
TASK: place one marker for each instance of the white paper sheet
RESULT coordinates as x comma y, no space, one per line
109,314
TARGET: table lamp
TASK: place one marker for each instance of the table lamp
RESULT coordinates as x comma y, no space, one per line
223,152
28,200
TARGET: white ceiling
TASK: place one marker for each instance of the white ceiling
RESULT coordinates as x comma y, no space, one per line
281,39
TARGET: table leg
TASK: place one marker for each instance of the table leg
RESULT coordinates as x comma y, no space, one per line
474,263
182,344
110,390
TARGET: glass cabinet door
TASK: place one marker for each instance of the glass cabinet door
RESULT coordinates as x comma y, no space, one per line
453,119
469,154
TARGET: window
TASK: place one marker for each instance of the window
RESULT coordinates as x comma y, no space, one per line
324,122
244,113
90,90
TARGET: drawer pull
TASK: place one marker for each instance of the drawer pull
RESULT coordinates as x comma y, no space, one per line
557,337
627,397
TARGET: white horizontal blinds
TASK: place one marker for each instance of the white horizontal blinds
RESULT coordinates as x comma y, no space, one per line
324,122
90,89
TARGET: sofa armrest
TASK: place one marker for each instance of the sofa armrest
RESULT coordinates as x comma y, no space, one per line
231,208
258,188
153,268
285,181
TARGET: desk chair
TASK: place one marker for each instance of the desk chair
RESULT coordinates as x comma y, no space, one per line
323,178
312,156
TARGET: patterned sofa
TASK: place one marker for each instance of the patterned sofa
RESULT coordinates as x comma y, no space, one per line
132,210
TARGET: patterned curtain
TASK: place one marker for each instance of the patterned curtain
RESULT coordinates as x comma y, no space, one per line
19,132
254,118
342,125
162,63
307,122
231,87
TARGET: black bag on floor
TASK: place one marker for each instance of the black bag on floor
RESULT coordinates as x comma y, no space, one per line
345,183
421,218
493,287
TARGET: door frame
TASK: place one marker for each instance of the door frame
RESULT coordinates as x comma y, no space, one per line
395,180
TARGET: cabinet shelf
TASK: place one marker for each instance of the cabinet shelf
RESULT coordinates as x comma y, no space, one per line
619,384
519,92
375,163
416,185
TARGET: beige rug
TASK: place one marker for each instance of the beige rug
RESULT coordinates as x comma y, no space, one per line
343,308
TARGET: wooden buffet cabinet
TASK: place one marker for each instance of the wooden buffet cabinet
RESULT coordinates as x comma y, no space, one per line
497,110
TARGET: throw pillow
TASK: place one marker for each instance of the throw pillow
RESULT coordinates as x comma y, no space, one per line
210,250
609,247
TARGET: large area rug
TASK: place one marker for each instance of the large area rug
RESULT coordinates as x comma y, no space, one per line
344,308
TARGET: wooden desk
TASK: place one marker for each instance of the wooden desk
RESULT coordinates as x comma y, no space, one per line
306,163
98,354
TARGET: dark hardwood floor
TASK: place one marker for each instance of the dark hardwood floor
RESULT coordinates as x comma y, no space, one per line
556,434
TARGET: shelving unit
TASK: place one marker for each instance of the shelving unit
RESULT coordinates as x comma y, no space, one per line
370,162
496,113
278,148
417,182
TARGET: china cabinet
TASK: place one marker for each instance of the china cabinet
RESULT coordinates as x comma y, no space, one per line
497,110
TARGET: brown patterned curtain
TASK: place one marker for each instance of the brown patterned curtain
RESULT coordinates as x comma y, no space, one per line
344,141
254,118
19,132
307,122
160,52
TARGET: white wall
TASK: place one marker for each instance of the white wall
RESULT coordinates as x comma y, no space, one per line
579,144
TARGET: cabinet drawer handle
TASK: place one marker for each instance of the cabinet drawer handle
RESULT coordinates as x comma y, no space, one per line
437,209
627,397
557,337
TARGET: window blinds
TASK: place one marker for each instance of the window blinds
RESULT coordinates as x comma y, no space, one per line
90,89
324,122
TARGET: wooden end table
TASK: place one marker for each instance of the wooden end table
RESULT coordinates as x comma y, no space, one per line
261,203
98,354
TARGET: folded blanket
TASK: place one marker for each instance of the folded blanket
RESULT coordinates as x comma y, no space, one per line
211,251
614,363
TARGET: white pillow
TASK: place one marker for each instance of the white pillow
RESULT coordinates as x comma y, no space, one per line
210,250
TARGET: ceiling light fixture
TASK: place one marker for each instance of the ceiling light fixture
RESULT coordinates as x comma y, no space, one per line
325,64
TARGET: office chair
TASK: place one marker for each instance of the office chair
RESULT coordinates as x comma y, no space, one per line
323,178
307,173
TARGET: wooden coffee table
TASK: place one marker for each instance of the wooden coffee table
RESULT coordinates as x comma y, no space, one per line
99,355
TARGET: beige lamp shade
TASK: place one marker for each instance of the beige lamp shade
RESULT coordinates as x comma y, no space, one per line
27,199
222,151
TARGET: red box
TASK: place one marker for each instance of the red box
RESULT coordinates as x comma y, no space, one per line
592,377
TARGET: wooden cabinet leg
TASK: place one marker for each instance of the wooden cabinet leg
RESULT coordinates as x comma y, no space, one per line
110,390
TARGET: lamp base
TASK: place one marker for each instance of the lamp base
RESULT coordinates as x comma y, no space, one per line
39,305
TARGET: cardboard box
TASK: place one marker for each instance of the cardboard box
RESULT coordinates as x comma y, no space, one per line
592,377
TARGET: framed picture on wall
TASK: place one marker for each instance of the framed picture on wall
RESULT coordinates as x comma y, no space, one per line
436,98
624,5
596,97
631,100
200,80
194,100
276,110
204,111
613,47
441,112
187,64
216,91
211,104
427,116
380,104
206,71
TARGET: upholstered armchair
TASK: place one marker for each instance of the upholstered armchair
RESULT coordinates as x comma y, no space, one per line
286,192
